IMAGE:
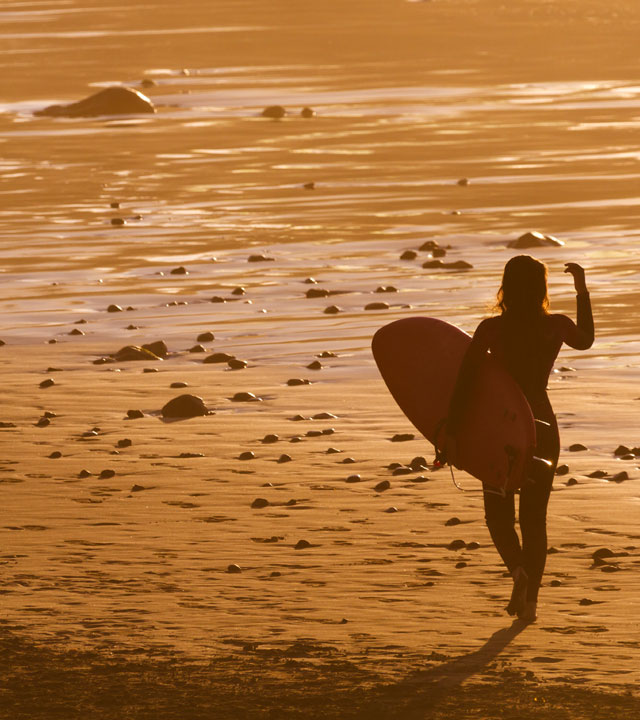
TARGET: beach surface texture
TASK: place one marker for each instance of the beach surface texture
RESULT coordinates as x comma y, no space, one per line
278,544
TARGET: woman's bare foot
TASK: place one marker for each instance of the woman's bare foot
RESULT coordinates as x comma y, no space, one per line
519,593
528,612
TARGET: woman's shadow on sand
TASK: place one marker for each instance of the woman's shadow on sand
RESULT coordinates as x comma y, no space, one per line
421,692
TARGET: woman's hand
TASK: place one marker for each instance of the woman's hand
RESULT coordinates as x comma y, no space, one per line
577,271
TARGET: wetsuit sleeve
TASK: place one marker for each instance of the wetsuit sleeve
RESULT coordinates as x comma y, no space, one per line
470,364
579,336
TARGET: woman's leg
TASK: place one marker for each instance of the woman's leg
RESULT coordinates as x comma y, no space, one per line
500,515
534,499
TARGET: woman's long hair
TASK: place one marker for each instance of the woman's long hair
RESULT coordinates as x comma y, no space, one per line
523,302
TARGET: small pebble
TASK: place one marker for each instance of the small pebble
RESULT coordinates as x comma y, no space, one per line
327,354
125,442
463,182
348,461
217,299
259,258
315,365
247,455
284,458
234,569
622,450
43,422
205,337
409,255
332,310
619,477
114,308
453,521
571,481
473,545
382,486
309,186
55,455
597,474
456,545
197,349
84,473
75,331
246,397
302,545
562,469
259,503
418,463
298,381
179,271
178,384
353,479
106,474
403,437
238,291
377,306
316,293
386,289
403,471
275,112
296,439
236,364
218,357
135,414
275,573
391,509
270,439
461,564
117,221
328,431
307,112
332,451
577,447
47,383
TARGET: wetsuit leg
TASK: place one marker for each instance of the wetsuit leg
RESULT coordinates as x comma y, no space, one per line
534,499
500,515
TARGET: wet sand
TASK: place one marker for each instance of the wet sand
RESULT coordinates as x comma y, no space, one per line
129,573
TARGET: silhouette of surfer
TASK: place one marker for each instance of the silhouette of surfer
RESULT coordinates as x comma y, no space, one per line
525,338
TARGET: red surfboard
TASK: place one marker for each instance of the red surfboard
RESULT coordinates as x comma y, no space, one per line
419,359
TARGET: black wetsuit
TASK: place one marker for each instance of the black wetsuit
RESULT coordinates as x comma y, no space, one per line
527,348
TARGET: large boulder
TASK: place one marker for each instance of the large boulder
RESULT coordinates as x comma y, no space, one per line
535,239
110,101
185,406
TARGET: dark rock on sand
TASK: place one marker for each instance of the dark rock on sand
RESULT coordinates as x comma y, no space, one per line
84,473
418,463
463,182
43,422
302,545
275,112
402,437
134,352
307,112
309,186
317,292
236,364
178,385
233,569
124,443
622,450
110,101
535,239
135,414
315,365
158,348
246,397
392,509
386,289
562,469
259,258
179,271
457,265
218,357
453,521
327,354
106,474
150,370
185,406
353,479
217,299
238,291
55,455
298,381
187,455
333,451
473,545
577,447
259,503
409,255
75,331
196,349
619,477
2,342
332,310
284,458
377,306
597,474
205,337
313,433
571,482
247,455
114,308
348,461
47,383
382,486
456,545
403,471
271,438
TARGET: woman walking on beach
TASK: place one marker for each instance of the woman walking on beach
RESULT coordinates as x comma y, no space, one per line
525,338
